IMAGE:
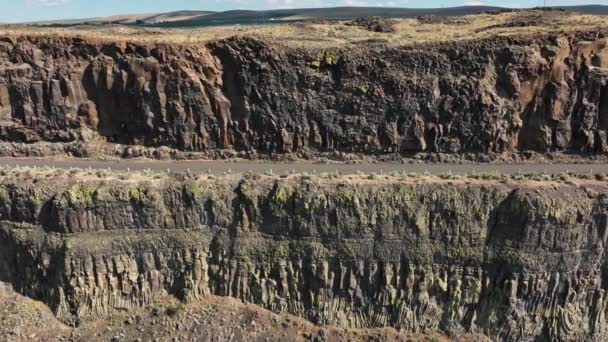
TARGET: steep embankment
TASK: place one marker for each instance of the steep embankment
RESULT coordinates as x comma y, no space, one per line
495,95
511,260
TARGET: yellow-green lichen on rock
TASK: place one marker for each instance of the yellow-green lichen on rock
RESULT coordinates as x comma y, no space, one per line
481,256
81,193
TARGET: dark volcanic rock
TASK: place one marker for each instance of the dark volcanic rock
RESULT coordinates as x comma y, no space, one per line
495,95
516,261
134,94
375,24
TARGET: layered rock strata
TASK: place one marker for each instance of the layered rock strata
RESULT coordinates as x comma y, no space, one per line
519,260
496,95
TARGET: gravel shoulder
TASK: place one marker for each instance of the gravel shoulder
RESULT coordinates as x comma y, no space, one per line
219,167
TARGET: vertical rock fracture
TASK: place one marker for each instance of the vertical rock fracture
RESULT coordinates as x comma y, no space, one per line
512,261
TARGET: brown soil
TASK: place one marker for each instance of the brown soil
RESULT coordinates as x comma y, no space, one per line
214,319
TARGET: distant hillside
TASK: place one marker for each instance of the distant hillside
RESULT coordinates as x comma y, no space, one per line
176,16
335,13
347,12
131,19
208,18
588,9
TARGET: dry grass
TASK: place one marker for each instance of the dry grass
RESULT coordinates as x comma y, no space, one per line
156,178
408,31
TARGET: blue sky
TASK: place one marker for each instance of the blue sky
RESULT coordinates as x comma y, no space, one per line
28,10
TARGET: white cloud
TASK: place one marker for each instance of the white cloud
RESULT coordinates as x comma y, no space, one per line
281,3
371,3
474,3
277,4
46,3
354,3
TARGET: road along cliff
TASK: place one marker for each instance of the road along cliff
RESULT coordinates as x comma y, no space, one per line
511,257
250,97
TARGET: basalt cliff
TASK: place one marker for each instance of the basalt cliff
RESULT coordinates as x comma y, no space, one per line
513,260
248,97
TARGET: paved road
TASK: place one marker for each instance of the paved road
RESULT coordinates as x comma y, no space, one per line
219,167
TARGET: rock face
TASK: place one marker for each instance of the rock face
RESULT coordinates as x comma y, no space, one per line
497,95
518,261
52,89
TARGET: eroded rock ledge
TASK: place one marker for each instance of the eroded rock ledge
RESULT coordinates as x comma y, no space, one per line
496,95
511,260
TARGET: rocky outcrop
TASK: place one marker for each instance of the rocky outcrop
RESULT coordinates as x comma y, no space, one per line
57,89
514,261
498,95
